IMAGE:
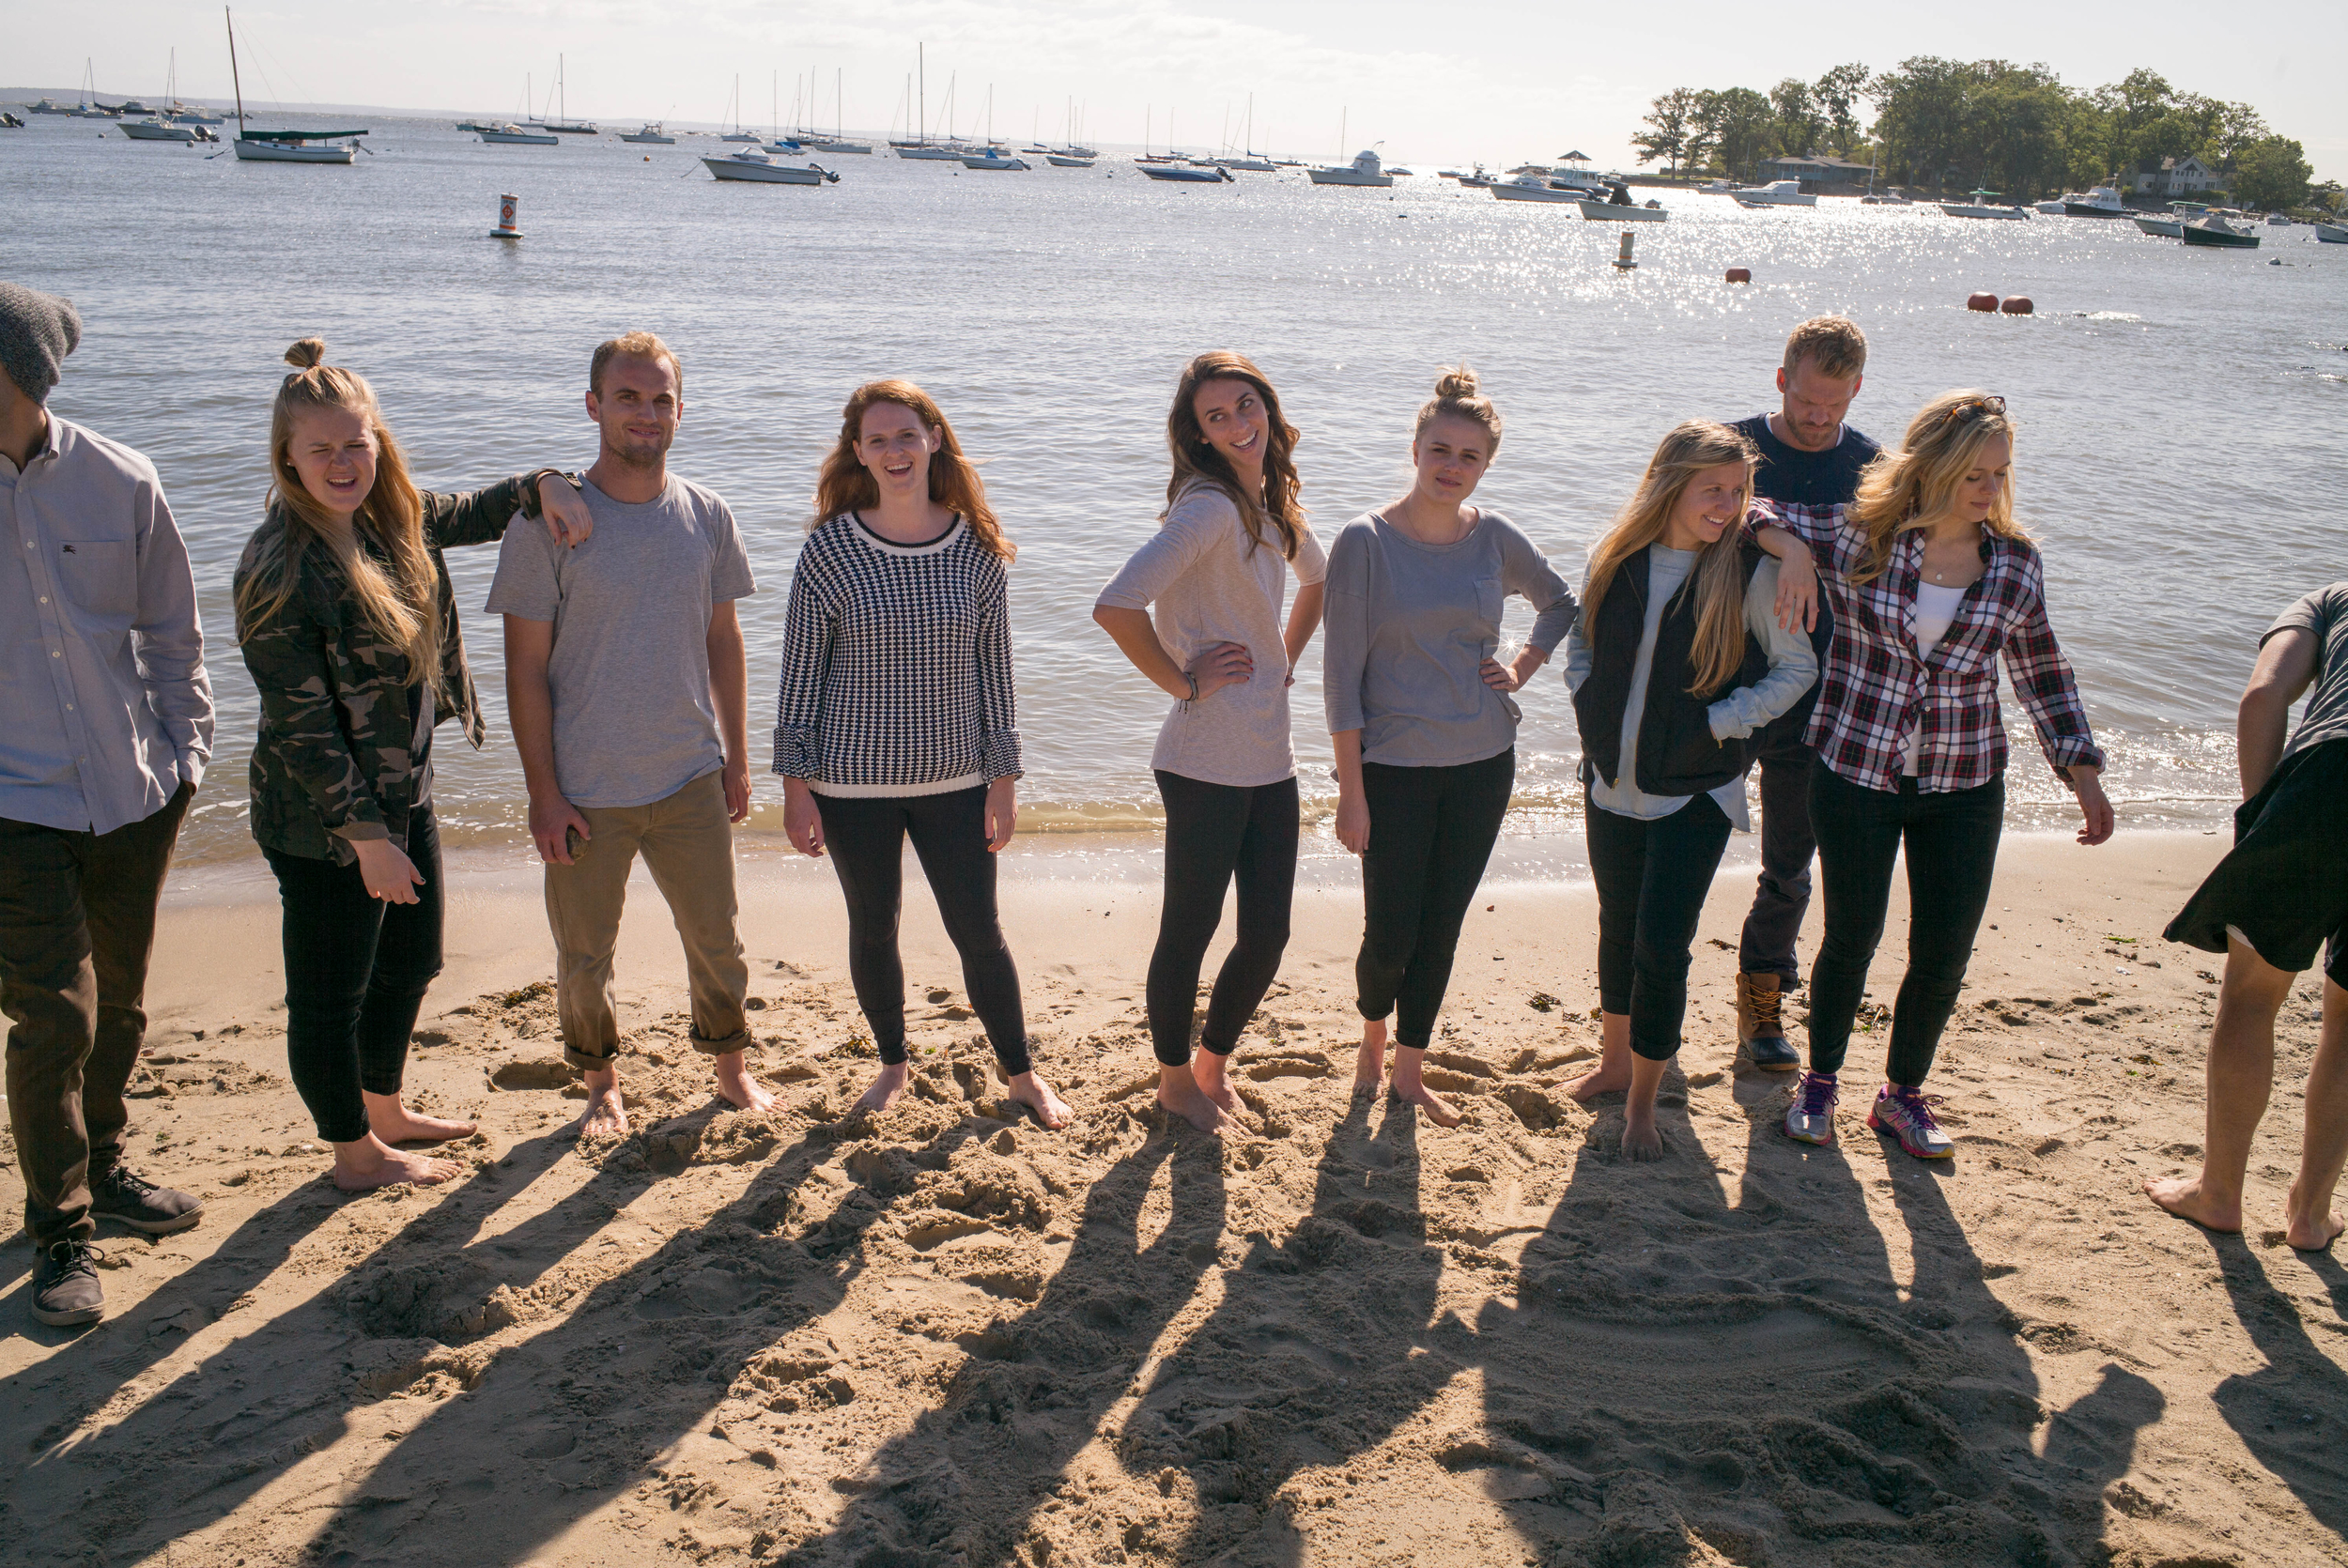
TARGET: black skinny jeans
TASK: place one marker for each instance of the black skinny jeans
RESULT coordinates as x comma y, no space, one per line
1952,842
356,971
866,838
1430,831
1214,834
1652,877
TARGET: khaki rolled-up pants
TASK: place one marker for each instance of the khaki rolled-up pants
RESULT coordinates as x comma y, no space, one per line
688,845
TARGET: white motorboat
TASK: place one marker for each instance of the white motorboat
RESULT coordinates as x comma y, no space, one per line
1062,161
2211,229
1533,188
995,158
180,114
1188,173
1608,213
2331,234
2277,221
653,134
1981,207
757,168
514,135
1778,193
2171,227
1366,169
2102,202
2050,208
155,131
1254,164
48,106
1717,188
297,146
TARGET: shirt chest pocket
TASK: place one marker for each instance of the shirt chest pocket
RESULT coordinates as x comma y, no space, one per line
102,576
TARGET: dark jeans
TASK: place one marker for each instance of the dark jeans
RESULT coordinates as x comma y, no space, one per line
866,838
77,925
356,970
1214,834
1430,831
1787,844
1651,878
1951,843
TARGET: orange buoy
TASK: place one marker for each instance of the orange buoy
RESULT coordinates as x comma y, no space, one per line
1740,274
1982,302
2017,304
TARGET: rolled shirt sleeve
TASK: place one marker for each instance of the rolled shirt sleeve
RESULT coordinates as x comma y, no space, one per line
1793,664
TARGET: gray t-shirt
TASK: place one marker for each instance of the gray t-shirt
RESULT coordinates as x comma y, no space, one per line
1409,627
633,719
1211,583
2324,613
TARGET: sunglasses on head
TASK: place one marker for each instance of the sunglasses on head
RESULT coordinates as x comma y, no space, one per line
1973,405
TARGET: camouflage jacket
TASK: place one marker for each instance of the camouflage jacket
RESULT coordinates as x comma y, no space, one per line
334,761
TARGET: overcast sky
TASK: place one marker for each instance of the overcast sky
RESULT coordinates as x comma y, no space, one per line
1449,81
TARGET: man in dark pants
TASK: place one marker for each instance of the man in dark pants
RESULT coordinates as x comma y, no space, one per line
105,726
1809,457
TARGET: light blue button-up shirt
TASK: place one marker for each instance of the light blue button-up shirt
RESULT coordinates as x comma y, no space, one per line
105,707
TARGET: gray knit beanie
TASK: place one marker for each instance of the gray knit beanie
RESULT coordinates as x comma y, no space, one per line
37,332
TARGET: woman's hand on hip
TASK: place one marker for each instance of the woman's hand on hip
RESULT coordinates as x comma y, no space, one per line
1225,664
391,876
2096,819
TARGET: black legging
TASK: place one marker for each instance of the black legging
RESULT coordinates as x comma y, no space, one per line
1430,831
356,973
1652,877
1952,842
866,839
1214,832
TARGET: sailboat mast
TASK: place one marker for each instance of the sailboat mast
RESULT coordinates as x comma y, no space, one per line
922,66
233,77
562,88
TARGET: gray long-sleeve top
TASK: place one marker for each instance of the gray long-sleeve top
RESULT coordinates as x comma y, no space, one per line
105,708
1409,627
1793,670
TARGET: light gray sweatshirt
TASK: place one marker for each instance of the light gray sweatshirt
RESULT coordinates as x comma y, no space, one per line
1409,627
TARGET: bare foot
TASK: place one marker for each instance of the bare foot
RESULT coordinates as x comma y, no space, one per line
1612,1074
1407,1084
2183,1197
736,1084
606,1116
884,1089
1207,1071
1178,1092
1369,1065
1030,1090
370,1163
2309,1231
393,1123
1640,1141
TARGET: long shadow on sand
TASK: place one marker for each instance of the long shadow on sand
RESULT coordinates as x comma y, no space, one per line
413,1316
1750,1380
965,1484
2287,1412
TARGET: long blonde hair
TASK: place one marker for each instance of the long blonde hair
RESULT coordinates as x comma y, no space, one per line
401,603
847,485
1197,461
1719,579
1911,487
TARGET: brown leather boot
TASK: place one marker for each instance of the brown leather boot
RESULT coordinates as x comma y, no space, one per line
1760,1029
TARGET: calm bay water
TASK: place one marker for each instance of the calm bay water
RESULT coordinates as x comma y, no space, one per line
2183,411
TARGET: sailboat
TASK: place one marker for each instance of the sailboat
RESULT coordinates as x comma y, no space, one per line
993,156
89,108
737,133
921,148
1249,160
284,146
838,140
563,124
158,126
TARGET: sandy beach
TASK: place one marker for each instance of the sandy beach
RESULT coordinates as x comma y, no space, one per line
1337,1334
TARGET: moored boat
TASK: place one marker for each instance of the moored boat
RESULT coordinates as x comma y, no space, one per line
2170,228
155,131
1187,173
514,135
1064,160
995,158
1366,169
757,168
2211,230
1980,206
1611,213
2331,234
651,135
1777,192
1529,187
2102,202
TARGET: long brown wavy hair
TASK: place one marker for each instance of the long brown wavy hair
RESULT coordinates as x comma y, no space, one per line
401,602
1196,461
1912,487
848,486
1719,579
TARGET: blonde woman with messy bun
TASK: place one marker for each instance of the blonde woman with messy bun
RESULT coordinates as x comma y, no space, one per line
1421,718
348,622
1676,665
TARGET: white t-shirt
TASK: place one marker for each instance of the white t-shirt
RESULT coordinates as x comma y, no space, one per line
1936,612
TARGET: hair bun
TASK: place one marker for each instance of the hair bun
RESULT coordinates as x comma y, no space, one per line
1456,381
307,355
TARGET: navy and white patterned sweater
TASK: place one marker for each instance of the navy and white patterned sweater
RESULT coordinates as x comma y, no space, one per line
896,665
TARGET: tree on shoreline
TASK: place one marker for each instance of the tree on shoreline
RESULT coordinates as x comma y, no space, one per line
1664,133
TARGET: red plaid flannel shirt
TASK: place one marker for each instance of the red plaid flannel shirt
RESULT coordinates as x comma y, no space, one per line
1875,691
